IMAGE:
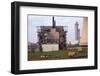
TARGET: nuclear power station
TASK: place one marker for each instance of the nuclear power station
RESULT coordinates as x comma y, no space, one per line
52,37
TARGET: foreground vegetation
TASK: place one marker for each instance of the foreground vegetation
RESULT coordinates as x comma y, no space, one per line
70,53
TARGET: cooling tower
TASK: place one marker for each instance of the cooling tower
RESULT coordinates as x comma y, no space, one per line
84,33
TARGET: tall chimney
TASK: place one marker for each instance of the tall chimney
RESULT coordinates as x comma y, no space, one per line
53,22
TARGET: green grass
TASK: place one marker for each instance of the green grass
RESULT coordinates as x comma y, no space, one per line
61,54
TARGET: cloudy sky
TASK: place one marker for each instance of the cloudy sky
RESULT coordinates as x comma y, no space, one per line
39,20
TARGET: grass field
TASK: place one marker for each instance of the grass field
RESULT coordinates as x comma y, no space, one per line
61,54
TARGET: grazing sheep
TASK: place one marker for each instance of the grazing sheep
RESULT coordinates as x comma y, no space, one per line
71,54
79,49
42,56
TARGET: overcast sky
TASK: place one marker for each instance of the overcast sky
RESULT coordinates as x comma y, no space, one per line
36,20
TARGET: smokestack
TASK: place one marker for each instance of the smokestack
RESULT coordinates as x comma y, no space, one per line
53,22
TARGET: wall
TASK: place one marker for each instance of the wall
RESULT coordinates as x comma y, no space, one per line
5,37
50,47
